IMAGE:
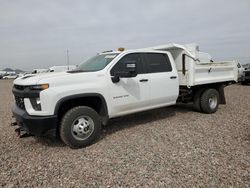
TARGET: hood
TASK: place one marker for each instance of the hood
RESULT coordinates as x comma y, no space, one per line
33,79
59,78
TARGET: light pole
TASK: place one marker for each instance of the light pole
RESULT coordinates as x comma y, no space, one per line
68,58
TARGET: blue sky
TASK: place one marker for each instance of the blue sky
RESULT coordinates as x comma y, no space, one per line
37,34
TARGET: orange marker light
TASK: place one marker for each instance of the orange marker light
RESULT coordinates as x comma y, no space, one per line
45,86
121,49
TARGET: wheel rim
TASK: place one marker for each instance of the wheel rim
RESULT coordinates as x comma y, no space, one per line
212,101
82,127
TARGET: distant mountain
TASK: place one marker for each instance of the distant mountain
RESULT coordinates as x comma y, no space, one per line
13,70
18,71
8,70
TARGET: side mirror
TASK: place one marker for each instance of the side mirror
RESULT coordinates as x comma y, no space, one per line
129,72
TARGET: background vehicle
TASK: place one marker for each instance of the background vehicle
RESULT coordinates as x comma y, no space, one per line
10,76
246,76
38,71
2,73
112,84
241,71
20,75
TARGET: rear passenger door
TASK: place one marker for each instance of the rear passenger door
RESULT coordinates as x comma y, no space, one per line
162,79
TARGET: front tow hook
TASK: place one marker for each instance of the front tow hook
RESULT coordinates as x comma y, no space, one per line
14,124
21,133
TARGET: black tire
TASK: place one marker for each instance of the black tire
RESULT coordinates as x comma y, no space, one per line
244,83
66,129
210,101
197,100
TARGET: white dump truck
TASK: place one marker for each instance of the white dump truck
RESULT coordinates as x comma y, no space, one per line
116,83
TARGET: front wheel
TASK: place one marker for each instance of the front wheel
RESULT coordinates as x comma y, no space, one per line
210,101
80,126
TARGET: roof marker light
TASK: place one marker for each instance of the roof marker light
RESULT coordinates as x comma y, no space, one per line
121,49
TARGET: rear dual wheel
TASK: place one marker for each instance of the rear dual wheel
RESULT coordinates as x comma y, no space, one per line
206,101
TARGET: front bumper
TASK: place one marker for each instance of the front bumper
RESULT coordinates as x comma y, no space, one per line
34,125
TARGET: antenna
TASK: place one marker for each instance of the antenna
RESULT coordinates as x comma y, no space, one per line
68,58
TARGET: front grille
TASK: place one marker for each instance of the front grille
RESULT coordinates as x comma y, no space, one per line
19,87
20,102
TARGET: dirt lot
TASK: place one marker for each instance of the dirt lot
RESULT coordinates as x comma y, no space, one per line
171,146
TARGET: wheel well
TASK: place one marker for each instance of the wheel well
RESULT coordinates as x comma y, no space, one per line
188,94
219,87
95,102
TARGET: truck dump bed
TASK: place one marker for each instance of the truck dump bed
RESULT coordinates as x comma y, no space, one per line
197,68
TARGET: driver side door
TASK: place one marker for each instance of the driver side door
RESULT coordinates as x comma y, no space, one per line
129,94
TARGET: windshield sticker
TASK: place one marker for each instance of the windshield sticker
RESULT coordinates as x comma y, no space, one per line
110,56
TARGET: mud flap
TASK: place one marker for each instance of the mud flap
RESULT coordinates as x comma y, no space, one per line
222,94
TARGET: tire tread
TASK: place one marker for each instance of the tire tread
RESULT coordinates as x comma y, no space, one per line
67,116
204,101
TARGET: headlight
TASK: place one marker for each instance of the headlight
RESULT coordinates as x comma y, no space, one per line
39,87
36,103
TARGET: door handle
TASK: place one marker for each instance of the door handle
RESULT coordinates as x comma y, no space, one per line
143,80
173,77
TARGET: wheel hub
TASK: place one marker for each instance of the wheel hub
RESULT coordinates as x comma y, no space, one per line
82,127
212,101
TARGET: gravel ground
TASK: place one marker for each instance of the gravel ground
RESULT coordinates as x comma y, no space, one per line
172,147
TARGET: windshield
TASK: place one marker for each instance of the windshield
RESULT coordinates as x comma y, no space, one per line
96,63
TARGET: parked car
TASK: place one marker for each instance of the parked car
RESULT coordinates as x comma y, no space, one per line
241,71
246,76
38,71
10,76
20,75
77,103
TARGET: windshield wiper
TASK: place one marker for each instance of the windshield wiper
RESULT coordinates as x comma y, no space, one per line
76,71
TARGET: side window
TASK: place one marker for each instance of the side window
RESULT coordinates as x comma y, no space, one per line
133,58
157,62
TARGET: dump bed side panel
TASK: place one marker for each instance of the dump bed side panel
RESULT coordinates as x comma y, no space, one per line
205,73
201,70
196,68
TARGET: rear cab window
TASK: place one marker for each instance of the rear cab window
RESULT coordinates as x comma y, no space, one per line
157,62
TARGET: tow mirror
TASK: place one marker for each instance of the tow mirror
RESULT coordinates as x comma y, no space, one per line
129,71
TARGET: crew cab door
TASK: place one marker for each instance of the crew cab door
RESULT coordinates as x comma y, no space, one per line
162,79
131,94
